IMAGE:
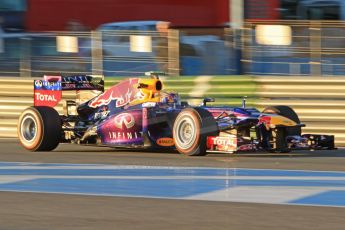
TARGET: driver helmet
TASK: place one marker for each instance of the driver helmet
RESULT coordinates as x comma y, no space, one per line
170,98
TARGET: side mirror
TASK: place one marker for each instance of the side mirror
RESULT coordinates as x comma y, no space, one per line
208,99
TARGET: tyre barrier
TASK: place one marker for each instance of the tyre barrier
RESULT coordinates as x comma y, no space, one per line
319,101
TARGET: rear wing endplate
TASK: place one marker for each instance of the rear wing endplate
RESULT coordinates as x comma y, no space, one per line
48,91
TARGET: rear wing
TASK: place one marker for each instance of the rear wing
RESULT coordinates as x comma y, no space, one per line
48,91
78,82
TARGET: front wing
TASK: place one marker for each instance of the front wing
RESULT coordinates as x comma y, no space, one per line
233,143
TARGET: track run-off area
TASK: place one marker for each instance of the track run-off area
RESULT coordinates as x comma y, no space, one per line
213,184
300,190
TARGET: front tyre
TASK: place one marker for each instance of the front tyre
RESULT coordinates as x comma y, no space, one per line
190,131
279,135
39,128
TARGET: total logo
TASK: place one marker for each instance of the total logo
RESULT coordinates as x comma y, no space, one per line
224,141
124,119
45,97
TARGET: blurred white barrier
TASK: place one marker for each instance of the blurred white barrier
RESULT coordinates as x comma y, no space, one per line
319,101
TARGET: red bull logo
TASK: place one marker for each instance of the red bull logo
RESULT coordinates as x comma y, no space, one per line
123,93
103,99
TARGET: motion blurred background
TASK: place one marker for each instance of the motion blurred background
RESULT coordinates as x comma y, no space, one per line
276,52
195,37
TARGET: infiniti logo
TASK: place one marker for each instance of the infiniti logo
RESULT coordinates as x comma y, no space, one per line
38,83
126,119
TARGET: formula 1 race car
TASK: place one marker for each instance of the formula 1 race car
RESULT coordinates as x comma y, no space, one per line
138,113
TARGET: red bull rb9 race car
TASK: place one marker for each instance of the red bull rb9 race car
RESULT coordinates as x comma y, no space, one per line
138,113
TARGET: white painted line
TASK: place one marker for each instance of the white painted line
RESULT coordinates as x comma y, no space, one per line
231,179
267,194
13,179
160,197
40,165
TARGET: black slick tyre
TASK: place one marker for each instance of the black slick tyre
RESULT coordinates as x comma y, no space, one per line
39,128
190,130
279,134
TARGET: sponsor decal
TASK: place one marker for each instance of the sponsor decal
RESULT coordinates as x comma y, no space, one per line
124,100
76,79
247,147
102,99
123,136
47,93
45,97
165,141
82,82
70,86
101,115
149,104
47,85
123,93
223,143
106,97
122,128
38,84
124,120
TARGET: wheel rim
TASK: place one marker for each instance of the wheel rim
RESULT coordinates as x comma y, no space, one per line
29,129
186,133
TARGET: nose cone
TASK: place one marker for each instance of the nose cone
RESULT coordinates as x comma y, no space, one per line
280,120
274,119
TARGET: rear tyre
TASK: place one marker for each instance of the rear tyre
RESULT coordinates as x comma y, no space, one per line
39,128
190,131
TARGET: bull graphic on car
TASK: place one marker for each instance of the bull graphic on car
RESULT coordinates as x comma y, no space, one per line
138,113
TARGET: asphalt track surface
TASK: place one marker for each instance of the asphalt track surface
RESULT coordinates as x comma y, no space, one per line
34,210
